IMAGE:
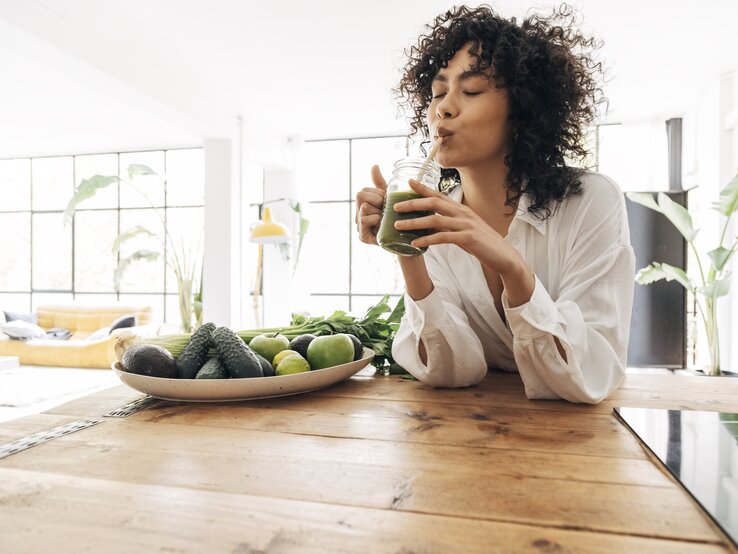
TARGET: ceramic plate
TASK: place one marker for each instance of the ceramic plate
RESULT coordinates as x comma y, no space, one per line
219,390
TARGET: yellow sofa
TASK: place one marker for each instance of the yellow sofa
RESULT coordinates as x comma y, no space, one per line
77,351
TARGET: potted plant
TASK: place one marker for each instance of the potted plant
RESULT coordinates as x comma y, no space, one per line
185,263
714,282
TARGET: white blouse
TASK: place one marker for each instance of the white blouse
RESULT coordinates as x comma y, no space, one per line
584,267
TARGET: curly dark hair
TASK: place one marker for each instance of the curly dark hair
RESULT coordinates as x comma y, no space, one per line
552,78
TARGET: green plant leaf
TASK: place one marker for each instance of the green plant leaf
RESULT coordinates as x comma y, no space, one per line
719,257
140,169
303,227
678,215
87,189
128,235
716,289
124,263
398,312
728,202
658,271
644,199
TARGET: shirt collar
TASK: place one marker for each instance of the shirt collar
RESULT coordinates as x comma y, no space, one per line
522,213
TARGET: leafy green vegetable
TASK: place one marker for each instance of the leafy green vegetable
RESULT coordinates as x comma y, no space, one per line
373,330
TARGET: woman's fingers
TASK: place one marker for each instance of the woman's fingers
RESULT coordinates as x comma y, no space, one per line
369,200
434,222
377,178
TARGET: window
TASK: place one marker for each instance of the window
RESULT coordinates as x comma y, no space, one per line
49,260
344,273
341,272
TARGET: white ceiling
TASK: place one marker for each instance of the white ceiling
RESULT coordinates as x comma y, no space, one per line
96,75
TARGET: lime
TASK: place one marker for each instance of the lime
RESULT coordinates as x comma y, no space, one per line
282,355
292,364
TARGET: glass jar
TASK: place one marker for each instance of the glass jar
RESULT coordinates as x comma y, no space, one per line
398,190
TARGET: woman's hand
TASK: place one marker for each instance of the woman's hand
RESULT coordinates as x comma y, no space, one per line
369,205
454,223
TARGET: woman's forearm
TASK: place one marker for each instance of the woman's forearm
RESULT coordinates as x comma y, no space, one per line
418,283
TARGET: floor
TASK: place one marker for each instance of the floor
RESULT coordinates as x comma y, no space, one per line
26,390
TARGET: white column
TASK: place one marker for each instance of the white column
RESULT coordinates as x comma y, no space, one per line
221,263
728,319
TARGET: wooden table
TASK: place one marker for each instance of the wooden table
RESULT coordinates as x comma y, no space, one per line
374,464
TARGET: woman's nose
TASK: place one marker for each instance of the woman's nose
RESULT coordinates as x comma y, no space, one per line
446,108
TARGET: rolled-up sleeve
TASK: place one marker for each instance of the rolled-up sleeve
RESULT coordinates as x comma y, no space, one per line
590,318
454,354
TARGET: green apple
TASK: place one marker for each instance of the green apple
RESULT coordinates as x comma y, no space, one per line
330,350
292,364
269,344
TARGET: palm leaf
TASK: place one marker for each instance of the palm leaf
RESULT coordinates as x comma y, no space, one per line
658,271
304,224
124,263
728,202
678,215
719,257
140,169
644,199
716,289
128,235
87,189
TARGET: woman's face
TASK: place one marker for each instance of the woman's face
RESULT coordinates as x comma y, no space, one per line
470,113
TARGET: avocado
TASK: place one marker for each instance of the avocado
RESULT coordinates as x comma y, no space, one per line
358,347
266,367
151,360
300,344
212,369
195,352
238,359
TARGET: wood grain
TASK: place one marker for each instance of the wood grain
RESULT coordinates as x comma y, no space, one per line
373,464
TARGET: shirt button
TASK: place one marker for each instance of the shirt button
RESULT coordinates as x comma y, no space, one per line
514,242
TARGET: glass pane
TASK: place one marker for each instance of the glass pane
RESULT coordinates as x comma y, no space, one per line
634,156
185,177
324,260
95,299
154,301
15,185
94,261
323,306
173,316
15,269
368,152
143,190
19,302
142,275
99,164
373,270
323,170
50,299
253,183
53,183
52,252
361,304
185,227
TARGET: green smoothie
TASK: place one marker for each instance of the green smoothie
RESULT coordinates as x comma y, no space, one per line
396,241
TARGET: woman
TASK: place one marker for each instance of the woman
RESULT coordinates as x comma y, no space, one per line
529,265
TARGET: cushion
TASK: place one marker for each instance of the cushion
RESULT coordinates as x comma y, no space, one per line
58,333
101,333
123,322
19,329
18,316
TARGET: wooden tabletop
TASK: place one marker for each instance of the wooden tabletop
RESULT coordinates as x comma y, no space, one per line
374,464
